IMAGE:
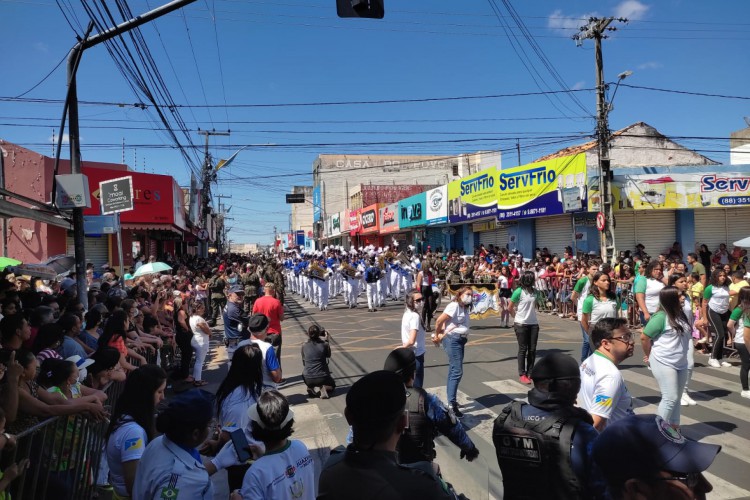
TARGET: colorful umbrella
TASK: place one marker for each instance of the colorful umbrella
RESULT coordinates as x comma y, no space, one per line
152,268
7,261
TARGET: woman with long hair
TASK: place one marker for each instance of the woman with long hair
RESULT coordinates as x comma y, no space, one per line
114,335
452,331
238,391
647,291
679,281
200,341
503,294
715,314
413,331
739,318
666,343
599,304
183,337
522,306
131,426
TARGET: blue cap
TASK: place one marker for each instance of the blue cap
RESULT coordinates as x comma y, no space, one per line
193,406
236,289
640,445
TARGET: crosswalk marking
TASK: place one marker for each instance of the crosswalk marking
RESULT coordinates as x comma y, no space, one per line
730,385
724,490
510,388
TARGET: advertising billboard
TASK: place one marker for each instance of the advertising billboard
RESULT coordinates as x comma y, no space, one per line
369,220
542,188
437,205
412,210
473,197
316,204
336,224
354,222
388,218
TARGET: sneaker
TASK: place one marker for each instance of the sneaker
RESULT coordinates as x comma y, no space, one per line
714,362
323,393
525,379
456,411
686,400
725,364
745,394
313,392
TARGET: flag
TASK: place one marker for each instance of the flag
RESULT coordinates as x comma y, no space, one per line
224,163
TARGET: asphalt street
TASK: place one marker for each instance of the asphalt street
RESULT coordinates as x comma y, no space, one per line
360,341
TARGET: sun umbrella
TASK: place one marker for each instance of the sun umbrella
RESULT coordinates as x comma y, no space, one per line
152,268
743,243
61,263
36,270
7,261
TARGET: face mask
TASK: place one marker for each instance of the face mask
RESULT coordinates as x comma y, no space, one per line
418,306
466,300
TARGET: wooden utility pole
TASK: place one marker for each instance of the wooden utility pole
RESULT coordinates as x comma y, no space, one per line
209,176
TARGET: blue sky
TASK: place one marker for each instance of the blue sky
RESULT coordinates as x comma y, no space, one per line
227,53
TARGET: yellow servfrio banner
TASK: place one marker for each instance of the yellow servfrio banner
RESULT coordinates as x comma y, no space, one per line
543,188
473,197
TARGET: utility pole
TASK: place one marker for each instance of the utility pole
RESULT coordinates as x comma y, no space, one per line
596,29
209,176
71,109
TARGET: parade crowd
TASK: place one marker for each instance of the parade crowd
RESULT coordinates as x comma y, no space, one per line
82,391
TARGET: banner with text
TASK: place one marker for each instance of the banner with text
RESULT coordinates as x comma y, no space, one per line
437,205
473,197
411,211
389,218
542,188
369,220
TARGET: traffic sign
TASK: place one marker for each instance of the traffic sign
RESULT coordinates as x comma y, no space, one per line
203,234
600,221
116,195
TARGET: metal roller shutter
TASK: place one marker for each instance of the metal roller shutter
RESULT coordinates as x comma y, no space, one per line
97,250
554,233
711,227
738,224
497,237
655,229
625,231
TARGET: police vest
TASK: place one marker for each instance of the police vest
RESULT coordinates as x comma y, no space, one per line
534,456
417,443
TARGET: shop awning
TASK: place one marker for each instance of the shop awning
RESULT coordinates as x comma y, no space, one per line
10,210
136,226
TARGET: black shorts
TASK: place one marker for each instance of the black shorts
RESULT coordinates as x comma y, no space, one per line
318,381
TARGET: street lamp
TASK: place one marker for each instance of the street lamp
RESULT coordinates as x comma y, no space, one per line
620,78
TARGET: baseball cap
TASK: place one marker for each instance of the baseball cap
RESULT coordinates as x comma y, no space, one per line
555,365
376,399
257,322
237,289
638,446
190,407
400,360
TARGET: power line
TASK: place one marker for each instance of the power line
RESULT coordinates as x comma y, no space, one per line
685,92
45,77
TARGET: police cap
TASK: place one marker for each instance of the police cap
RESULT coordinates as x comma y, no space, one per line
554,366
400,360
257,322
376,399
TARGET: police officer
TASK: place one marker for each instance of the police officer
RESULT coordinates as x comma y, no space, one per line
542,447
372,276
171,467
235,319
428,416
375,409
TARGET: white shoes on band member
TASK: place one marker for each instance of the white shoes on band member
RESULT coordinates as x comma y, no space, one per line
686,400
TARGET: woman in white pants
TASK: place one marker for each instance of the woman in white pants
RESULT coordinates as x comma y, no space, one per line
200,341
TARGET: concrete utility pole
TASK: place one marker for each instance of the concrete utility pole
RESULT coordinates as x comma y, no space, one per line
596,29
71,108
209,176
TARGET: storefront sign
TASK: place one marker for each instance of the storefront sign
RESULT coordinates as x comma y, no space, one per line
676,191
412,211
437,205
316,204
72,191
116,195
389,218
354,222
336,224
536,189
473,197
369,220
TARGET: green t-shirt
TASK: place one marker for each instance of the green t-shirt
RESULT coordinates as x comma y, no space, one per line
581,284
639,285
699,268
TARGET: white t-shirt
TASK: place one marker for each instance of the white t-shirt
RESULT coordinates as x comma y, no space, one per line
268,382
599,309
412,321
458,324
668,346
583,290
127,443
288,474
603,391
525,307
653,287
195,322
502,282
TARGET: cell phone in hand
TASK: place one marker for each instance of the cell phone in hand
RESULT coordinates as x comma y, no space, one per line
240,445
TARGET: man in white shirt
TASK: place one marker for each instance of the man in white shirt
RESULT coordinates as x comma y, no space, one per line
603,392
257,325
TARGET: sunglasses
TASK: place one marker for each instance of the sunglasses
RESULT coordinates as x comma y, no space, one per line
690,479
418,300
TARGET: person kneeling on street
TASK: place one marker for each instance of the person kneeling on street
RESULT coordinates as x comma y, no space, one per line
315,355
542,447
427,416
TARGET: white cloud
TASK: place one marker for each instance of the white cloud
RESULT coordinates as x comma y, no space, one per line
578,85
650,65
559,21
41,47
633,10
55,138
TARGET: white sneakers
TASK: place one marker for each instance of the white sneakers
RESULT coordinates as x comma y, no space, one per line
745,394
686,400
718,364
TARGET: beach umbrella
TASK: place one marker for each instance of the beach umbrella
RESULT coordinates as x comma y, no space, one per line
743,243
152,268
7,261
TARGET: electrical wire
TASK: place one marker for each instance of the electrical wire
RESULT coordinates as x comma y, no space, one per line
44,79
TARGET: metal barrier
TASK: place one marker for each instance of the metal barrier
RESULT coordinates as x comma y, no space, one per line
65,456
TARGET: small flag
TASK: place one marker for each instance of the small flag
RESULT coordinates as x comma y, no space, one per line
224,163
